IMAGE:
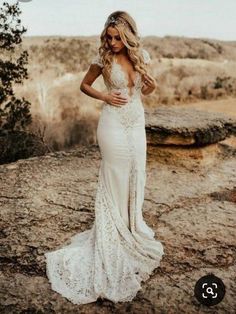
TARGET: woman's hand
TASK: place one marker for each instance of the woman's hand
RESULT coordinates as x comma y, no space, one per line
115,99
149,84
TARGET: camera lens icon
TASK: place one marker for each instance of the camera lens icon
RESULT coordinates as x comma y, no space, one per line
209,290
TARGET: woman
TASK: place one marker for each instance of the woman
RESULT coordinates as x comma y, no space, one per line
112,258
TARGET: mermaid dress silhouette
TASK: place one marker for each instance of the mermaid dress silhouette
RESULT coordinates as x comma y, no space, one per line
111,259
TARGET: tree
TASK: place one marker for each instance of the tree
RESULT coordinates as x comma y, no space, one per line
14,112
15,141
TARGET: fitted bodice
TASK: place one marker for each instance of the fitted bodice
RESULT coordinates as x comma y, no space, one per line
119,81
133,110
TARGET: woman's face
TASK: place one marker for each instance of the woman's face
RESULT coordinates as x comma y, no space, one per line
114,40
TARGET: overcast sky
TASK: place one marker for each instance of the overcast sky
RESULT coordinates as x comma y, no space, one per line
214,19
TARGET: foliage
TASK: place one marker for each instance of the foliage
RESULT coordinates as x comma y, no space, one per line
14,112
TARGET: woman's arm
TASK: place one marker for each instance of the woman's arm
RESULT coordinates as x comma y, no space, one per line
93,73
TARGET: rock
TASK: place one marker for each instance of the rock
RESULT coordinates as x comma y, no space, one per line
187,127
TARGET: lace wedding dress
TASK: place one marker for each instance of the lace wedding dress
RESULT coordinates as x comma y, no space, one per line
112,258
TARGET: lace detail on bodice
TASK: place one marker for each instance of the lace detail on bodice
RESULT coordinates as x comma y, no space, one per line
118,76
133,110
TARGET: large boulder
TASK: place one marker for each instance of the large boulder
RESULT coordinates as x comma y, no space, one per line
187,126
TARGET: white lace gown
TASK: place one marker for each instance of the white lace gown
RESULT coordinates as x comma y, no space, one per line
112,258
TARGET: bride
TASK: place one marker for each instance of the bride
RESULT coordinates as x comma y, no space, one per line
111,259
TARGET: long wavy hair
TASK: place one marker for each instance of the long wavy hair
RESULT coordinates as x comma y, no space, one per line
127,29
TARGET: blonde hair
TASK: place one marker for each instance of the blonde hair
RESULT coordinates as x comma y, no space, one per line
127,29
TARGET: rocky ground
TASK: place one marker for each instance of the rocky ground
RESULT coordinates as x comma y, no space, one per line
190,199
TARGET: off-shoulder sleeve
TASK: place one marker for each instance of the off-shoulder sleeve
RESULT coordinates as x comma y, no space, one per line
97,60
146,56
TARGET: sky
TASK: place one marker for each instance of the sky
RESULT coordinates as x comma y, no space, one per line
215,19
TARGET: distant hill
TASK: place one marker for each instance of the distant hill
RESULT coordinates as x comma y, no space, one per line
69,50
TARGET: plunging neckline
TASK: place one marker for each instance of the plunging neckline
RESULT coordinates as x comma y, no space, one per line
126,77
